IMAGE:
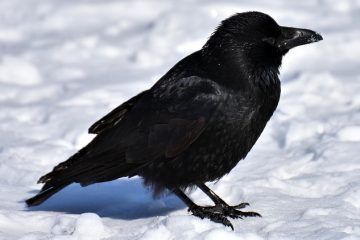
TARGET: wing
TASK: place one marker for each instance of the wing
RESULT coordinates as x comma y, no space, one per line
165,121
115,116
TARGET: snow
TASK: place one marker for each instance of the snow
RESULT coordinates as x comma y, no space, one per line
19,72
64,64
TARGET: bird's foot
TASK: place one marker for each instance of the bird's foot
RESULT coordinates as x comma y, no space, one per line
232,211
220,212
204,212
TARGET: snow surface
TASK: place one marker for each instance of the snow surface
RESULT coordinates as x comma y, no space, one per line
64,64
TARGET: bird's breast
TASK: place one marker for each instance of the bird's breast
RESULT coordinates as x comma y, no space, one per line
242,119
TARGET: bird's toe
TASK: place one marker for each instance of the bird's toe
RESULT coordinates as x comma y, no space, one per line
209,213
241,205
240,214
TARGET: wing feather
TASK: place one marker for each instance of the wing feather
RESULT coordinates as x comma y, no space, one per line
115,116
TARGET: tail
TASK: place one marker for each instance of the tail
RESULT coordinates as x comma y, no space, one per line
43,195
54,181
85,169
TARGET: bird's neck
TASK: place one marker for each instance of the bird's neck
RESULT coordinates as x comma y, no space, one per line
265,78
235,70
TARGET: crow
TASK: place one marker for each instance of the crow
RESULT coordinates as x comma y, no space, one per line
196,123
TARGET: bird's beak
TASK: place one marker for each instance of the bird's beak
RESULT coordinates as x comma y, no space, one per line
293,37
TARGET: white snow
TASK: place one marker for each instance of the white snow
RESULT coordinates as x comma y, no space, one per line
64,64
18,71
350,133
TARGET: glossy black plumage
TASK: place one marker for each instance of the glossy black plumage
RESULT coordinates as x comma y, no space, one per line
197,122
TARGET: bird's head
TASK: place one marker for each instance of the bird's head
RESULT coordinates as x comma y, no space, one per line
255,38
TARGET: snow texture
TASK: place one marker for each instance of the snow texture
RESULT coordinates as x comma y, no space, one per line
64,64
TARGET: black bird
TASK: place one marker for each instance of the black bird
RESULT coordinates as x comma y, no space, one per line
196,123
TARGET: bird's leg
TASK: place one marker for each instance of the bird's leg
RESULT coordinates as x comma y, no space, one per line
202,212
222,207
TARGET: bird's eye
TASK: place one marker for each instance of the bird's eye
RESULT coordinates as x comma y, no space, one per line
269,40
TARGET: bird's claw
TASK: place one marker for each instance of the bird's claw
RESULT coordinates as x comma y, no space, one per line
203,212
239,214
232,211
220,212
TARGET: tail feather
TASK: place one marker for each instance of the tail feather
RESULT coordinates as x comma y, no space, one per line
56,180
84,169
43,195
60,168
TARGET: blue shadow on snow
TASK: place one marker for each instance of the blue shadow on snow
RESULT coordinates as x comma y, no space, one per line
123,199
